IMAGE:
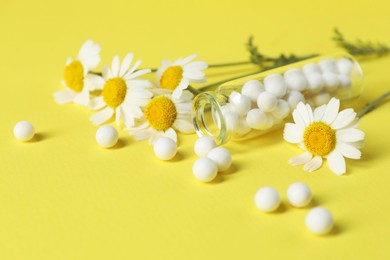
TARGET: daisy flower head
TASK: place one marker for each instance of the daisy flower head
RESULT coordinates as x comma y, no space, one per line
163,115
78,81
324,133
122,94
178,75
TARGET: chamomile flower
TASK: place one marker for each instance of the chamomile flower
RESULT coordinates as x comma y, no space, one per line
178,75
163,115
324,133
122,93
78,80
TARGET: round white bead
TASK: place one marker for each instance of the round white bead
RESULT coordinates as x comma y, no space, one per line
293,71
165,148
319,221
344,66
243,127
282,109
252,89
106,136
296,82
24,131
221,157
275,84
331,81
293,98
328,65
345,81
267,199
204,169
256,119
321,99
299,195
267,101
203,145
231,120
311,68
241,103
315,82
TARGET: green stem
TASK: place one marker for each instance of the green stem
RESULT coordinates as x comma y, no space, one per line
193,90
229,64
207,87
369,107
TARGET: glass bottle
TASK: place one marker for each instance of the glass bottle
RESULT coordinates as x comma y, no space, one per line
260,103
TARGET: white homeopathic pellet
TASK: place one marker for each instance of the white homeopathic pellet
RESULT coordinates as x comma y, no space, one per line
267,199
203,145
221,156
311,68
345,81
252,89
275,84
331,81
319,221
321,99
24,131
267,101
293,98
205,169
315,82
256,119
299,194
165,148
241,103
296,82
328,65
282,109
106,136
344,66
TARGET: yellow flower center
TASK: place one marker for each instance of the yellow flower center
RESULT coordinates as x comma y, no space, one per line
161,113
171,77
114,92
74,76
319,138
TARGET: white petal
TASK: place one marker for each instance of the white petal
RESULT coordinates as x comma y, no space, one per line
188,59
196,65
64,96
313,164
170,133
195,76
310,113
82,98
94,82
141,134
302,110
138,73
179,89
133,68
331,111
118,116
126,64
107,73
344,118
102,116
89,55
115,66
350,135
130,112
319,113
336,162
348,150
184,126
298,119
97,103
293,133
301,159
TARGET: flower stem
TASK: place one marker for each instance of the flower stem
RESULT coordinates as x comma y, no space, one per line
369,107
210,86
229,64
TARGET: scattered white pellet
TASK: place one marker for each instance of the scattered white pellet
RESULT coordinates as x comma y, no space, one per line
257,119
241,103
165,148
319,221
267,199
345,81
344,66
331,81
311,68
321,99
203,145
328,65
293,98
299,195
315,82
106,136
282,109
24,131
221,156
205,169
296,82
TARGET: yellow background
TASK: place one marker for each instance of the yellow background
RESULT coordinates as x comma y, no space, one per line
63,197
